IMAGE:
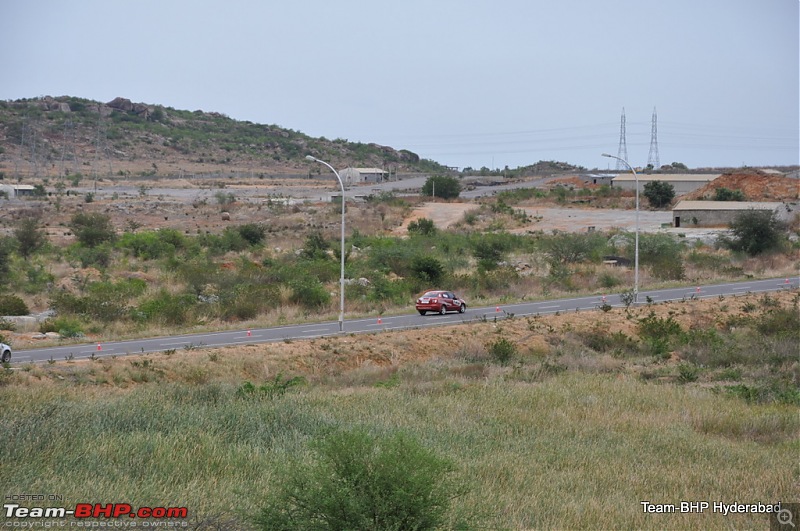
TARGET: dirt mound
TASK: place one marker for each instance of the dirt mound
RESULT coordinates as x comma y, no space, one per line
756,185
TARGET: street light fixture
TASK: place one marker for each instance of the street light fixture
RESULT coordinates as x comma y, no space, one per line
636,252
341,274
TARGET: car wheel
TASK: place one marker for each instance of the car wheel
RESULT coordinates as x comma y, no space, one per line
6,357
443,310
422,312
462,308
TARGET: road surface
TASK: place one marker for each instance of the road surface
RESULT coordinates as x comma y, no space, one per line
395,322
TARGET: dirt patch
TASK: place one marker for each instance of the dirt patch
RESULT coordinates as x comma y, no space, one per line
443,215
756,185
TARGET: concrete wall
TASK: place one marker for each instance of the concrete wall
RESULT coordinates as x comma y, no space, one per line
723,218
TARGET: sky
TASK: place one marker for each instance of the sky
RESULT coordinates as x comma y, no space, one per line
466,83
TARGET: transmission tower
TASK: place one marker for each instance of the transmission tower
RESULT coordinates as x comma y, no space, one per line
622,152
652,158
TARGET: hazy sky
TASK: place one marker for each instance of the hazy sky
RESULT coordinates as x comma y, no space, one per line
462,82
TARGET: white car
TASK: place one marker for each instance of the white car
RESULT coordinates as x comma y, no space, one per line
5,353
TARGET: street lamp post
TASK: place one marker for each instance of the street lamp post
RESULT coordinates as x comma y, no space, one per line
636,251
341,274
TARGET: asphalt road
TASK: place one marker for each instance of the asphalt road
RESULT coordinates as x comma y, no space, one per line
394,322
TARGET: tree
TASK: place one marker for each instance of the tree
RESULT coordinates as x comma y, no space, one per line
755,232
92,229
659,193
441,186
359,481
30,236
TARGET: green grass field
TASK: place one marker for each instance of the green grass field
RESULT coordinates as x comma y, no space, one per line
574,450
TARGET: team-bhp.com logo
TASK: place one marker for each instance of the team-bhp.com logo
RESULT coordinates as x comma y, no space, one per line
94,510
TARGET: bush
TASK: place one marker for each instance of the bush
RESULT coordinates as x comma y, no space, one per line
422,227
309,293
166,308
253,233
66,327
92,229
358,481
13,305
726,194
427,269
755,232
659,193
502,350
573,248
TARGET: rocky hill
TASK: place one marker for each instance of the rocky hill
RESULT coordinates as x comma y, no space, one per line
51,136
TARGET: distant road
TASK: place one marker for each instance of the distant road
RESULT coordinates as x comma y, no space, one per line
395,322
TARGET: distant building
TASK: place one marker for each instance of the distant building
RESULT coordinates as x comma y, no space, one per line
683,183
722,213
597,178
362,175
17,190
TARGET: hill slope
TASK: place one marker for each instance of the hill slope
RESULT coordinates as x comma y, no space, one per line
67,135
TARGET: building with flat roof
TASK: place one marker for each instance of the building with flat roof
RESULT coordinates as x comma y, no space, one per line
722,213
362,175
682,183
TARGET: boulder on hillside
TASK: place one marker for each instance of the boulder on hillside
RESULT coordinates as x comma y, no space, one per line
121,104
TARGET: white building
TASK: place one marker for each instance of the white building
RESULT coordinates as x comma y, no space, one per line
362,175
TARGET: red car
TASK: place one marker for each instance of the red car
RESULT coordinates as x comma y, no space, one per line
440,302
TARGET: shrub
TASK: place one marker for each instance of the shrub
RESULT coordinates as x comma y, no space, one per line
275,388
309,293
166,308
755,232
427,269
358,481
66,327
99,256
6,248
253,233
572,248
659,193
489,252
658,332
13,305
502,350
315,247
92,229
780,322
145,245
422,227
726,194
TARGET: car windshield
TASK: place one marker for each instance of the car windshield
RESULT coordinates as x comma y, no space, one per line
431,294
